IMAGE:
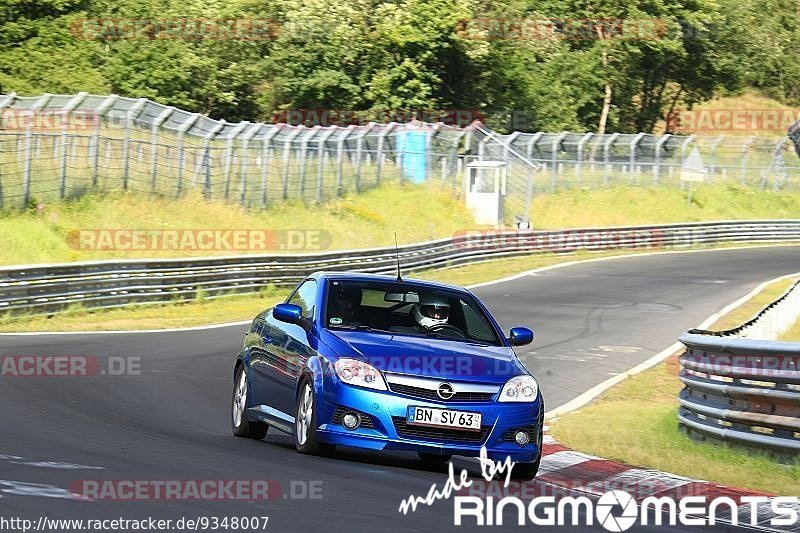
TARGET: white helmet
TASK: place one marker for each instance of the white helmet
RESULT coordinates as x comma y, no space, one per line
431,311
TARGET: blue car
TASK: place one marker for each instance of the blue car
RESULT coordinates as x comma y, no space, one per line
381,363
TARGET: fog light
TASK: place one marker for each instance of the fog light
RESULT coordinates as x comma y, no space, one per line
522,438
351,420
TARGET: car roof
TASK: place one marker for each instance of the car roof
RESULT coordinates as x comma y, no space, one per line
365,276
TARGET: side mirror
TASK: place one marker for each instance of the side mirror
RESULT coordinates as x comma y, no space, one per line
290,313
520,336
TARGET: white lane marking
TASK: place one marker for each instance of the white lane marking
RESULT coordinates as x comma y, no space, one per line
17,460
57,465
563,459
21,488
645,482
598,389
470,287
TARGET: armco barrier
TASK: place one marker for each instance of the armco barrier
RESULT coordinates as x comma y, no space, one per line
107,284
743,390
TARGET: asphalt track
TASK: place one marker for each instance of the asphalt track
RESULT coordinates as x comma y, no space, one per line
171,422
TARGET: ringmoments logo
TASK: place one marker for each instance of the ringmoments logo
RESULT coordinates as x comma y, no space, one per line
617,511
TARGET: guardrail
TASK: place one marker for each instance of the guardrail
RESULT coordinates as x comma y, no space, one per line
744,390
40,289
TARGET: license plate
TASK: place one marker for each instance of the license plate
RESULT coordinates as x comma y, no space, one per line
429,416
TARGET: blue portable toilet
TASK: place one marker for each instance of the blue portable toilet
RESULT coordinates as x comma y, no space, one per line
413,148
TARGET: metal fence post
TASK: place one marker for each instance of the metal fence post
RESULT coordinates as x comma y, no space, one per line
303,156
554,147
229,156
529,152
5,102
745,149
68,108
657,167
245,158
579,165
154,133
287,145
129,116
359,151
322,154
714,146
39,104
184,127
684,147
340,158
607,156
379,151
204,166
26,173
634,143
102,109
266,158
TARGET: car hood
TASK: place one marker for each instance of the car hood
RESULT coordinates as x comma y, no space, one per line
421,356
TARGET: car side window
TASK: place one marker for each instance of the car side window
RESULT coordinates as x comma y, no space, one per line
305,296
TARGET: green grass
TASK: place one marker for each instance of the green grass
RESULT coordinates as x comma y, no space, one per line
644,205
643,410
415,212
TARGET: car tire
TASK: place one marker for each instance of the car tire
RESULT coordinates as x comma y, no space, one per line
305,428
241,426
433,458
525,471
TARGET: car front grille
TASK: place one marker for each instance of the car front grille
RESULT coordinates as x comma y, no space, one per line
410,431
366,420
430,394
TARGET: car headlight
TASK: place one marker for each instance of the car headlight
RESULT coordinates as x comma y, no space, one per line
519,389
359,373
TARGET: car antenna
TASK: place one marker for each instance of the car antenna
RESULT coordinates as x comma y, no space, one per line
397,255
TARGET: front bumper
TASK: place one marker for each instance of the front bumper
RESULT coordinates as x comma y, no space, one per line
387,411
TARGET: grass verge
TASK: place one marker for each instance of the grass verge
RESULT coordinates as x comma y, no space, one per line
416,212
635,422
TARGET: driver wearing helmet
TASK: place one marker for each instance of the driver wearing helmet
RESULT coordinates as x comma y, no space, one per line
431,311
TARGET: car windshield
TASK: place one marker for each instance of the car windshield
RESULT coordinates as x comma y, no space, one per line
407,309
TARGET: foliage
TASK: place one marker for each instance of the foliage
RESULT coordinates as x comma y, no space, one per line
415,55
